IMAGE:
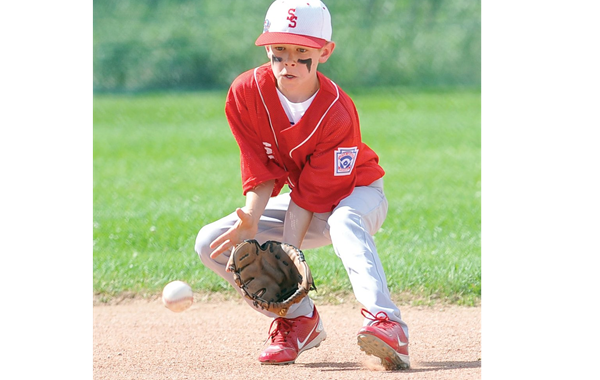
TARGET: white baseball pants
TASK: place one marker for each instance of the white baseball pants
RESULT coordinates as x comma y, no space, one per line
349,228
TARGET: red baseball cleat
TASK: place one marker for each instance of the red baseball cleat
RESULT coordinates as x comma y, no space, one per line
386,340
291,337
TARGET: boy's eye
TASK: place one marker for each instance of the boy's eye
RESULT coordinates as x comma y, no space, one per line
302,50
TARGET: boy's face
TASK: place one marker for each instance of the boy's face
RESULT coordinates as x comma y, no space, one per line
295,67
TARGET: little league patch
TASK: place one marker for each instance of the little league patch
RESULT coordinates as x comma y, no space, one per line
345,158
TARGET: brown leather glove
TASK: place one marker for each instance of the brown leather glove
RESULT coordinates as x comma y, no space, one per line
273,275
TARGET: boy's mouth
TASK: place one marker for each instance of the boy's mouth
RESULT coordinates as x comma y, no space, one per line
287,76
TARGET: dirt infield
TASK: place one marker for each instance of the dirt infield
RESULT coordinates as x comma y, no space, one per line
221,339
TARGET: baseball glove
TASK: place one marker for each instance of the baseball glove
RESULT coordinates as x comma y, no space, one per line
273,275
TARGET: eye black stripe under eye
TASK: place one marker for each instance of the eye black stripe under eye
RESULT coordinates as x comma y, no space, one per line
307,62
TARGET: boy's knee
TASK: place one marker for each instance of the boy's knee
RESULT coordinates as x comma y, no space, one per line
202,246
206,236
343,218
347,219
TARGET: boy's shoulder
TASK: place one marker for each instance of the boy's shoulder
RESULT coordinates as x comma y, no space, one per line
342,99
251,78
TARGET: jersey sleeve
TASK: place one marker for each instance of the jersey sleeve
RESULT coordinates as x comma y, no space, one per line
256,167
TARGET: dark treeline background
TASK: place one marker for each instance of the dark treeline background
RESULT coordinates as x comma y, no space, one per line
153,45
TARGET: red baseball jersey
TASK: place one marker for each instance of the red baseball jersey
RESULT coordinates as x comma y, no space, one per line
321,158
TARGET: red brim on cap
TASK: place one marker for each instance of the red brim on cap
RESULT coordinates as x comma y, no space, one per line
276,38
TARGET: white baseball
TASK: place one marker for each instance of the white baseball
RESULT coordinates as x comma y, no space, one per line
177,296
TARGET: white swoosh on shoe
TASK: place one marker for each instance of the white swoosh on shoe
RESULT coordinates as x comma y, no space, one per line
400,344
302,343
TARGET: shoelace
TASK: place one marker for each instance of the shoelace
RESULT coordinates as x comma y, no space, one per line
283,328
380,317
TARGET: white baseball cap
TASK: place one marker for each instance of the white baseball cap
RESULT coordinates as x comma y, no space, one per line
295,22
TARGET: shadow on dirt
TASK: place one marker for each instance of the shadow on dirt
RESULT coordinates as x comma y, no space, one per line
433,366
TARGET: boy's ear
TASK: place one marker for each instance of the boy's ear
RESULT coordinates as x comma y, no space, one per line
326,51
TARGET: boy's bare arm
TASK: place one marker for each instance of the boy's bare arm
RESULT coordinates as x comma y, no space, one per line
249,216
296,224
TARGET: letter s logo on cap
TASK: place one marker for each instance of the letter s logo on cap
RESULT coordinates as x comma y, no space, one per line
292,17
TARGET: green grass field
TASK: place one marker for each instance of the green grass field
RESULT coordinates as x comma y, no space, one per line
166,164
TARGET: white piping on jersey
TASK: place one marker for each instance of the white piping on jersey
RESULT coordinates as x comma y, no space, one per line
266,108
270,123
322,117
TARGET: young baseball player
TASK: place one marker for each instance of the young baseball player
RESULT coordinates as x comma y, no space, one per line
296,127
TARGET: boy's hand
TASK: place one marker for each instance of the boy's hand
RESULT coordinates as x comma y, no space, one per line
244,228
